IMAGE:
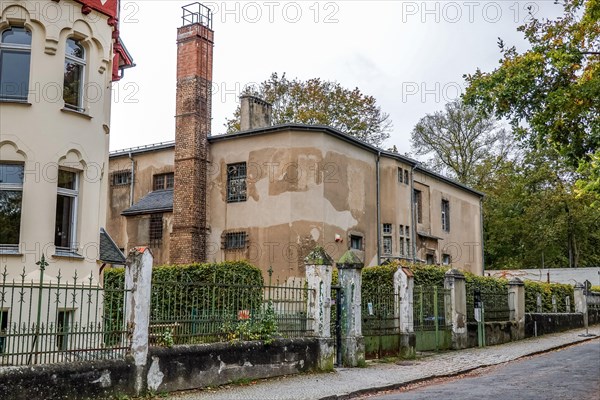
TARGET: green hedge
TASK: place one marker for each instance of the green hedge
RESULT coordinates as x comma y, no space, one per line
561,291
181,291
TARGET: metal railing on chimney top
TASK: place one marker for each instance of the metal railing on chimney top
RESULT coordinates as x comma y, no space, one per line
197,13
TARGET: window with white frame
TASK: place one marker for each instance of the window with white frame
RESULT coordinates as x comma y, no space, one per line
404,236
74,75
15,59
11,195
66,210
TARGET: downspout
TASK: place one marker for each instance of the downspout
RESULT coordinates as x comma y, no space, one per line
378,211
413,230
482,244
132,180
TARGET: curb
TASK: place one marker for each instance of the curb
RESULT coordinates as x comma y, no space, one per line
396,386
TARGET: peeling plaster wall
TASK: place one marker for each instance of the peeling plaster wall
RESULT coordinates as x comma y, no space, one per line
129,232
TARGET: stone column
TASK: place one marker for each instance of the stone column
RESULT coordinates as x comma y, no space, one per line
353,346
138,283
516,305
319,267
581,302
455,281
403,291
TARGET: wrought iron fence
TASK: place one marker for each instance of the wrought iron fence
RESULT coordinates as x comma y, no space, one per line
379,315
187,312
429,308
495,305
45,320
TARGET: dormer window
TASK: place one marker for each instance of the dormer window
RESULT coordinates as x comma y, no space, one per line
74,74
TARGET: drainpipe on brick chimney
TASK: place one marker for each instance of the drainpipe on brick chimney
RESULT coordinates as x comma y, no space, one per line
132,180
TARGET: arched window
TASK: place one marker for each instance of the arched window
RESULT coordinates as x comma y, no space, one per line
74,73
15,57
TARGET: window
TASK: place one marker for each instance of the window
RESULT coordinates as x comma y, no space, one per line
66,210
64,321
15,57
445,215
430,259
74,73
446,259
404,234
163,181
356,242
408,248
3,329
11,194
387,245
400,175
235,240
121,178
406,177
418,199
156,229
236,182
387,228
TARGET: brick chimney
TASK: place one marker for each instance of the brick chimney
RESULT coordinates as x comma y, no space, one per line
192,128
255,113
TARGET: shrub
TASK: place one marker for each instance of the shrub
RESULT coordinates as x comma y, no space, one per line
547,290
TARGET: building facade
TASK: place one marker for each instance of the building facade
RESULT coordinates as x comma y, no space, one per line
270,194
57,64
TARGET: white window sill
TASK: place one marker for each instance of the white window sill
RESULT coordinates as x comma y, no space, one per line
15,101
80,113
10,251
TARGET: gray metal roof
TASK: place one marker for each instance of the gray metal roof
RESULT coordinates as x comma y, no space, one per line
109,251
154,202
142,149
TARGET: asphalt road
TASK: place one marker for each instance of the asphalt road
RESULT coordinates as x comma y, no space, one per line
571,373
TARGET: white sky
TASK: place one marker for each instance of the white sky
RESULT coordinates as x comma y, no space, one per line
410,56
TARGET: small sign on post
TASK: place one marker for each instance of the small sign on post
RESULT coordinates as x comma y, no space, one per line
478,312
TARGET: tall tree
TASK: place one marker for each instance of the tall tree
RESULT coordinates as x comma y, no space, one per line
317,102
460,139
551,92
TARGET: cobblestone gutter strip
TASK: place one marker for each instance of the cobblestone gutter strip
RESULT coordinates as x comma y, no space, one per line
403,384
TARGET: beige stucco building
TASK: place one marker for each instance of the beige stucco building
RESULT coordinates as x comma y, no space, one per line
58,62
274,193
270,194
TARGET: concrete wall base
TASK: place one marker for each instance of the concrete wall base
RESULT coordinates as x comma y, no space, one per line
408,345
353,351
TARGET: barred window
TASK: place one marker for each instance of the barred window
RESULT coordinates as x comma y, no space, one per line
235,240
156,229
163,181
236,182
418,200
121,178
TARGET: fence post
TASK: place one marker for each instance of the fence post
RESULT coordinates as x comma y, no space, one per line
457,307
138,285
516,305
353,345
404,284
319,267
579,296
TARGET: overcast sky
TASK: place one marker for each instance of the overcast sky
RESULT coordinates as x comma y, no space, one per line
410,56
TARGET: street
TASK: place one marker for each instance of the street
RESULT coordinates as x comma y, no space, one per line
570,373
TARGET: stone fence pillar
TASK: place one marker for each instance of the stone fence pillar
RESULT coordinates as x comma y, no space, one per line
580,298
319,267
403,291
138,283
516,305
353,346
457,307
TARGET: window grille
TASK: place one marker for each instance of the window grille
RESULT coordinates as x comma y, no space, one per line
156,229
121,178
236,182
387,245
235,240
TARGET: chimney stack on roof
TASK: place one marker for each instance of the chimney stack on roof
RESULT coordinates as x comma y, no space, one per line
255,113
